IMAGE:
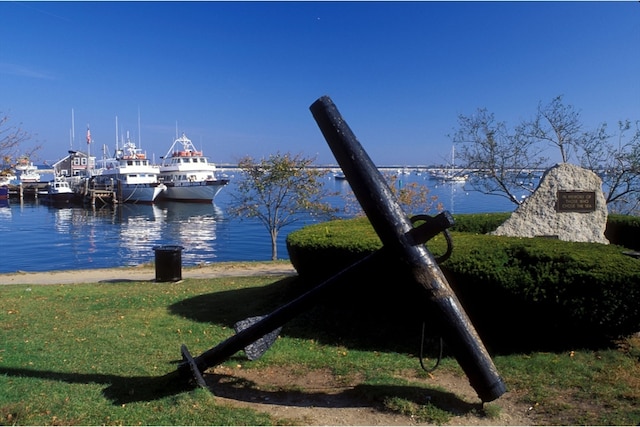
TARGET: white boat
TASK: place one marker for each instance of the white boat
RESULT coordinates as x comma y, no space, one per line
7,178
450,174
59,191
134,178
28,172
188,175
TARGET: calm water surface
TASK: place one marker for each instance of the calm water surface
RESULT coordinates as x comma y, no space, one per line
38,237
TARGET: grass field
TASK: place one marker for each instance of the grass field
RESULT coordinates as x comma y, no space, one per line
106,354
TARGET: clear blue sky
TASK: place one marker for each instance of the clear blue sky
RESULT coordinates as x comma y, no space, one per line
238,77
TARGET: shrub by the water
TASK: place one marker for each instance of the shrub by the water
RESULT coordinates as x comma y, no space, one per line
520,293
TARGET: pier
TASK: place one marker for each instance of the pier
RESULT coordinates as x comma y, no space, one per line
28,190
91,192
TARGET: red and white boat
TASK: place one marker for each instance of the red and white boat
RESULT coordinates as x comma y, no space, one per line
188,175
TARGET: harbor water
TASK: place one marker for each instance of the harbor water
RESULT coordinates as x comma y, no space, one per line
39,237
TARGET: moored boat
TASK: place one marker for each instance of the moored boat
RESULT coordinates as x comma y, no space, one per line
132,175
188,175
59,191
28,173
6,179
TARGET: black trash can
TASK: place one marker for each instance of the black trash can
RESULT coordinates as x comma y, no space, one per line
168,263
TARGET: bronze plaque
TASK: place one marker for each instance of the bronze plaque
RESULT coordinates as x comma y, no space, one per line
576,201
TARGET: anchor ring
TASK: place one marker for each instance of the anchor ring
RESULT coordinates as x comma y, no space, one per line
447,236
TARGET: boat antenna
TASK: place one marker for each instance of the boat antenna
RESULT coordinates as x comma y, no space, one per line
73,131
116,133
88,150
139,132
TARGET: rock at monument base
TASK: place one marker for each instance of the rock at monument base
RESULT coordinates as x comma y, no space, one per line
568,204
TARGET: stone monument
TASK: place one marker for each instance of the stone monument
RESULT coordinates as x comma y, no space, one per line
568,205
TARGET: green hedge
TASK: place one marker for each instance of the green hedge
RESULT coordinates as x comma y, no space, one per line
624,230
516,290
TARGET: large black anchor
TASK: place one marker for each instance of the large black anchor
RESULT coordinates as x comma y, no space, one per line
400,239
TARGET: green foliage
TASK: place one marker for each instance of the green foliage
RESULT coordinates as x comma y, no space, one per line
278,191
624,230
530,290
321,250
481,223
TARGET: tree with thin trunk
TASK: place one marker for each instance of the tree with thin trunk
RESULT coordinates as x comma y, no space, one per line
278,191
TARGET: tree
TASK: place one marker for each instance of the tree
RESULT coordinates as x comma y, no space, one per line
616,158
498,159
558,125
278,191
11,139
413,197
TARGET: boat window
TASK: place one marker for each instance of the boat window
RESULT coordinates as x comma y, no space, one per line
132,175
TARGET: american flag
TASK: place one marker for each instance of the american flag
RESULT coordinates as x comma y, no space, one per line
88,135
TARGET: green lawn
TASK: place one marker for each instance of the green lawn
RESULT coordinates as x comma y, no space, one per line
106,353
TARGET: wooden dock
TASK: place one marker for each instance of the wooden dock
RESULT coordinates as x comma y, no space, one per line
93,193
31,190
86,192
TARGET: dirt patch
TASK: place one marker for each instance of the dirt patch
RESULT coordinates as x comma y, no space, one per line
317,397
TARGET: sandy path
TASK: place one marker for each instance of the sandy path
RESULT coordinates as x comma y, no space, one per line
147,272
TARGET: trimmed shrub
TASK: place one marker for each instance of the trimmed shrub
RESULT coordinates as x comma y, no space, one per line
623,230
482,223
519,292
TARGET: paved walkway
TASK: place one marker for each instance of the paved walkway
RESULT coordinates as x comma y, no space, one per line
147,273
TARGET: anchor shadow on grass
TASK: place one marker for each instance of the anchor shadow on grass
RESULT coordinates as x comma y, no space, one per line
124,390
359,396
119,389
351,315
227,307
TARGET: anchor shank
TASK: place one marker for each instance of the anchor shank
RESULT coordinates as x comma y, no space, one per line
394,229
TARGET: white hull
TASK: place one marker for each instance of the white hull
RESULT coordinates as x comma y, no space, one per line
138,193
130,173
203,192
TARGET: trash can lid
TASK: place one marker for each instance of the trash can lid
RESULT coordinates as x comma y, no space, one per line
168,248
